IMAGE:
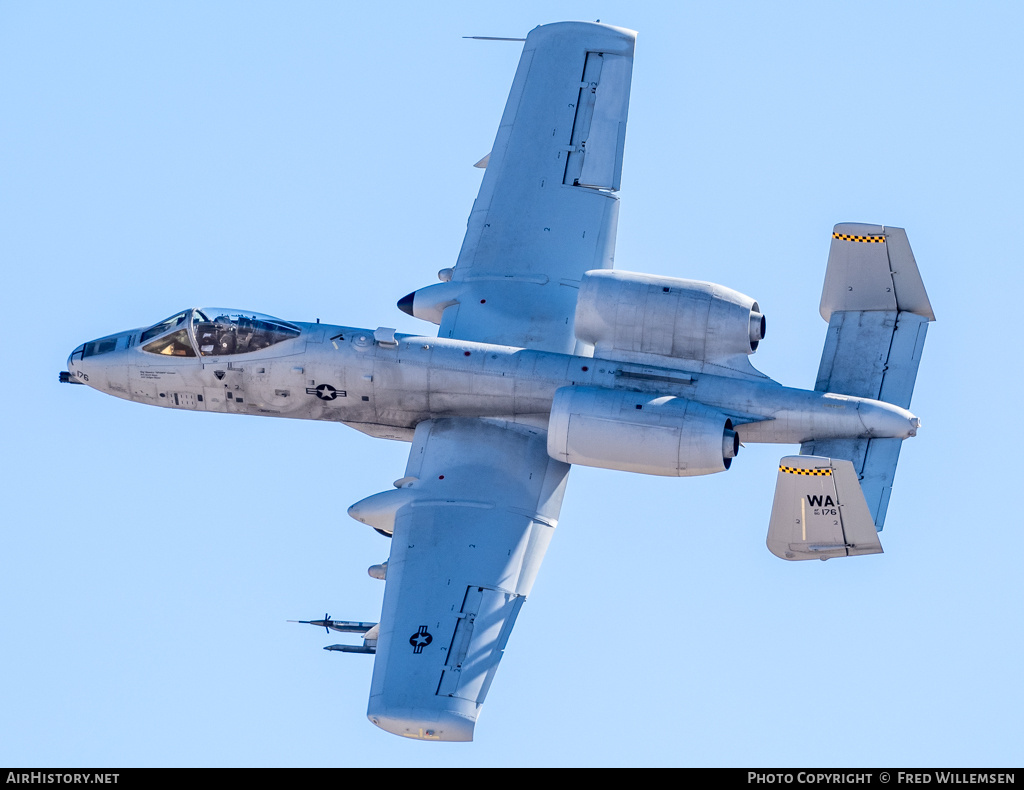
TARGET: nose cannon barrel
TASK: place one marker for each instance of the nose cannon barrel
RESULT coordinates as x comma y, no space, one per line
65,377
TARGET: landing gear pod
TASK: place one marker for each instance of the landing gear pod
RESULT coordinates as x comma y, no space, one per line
639,432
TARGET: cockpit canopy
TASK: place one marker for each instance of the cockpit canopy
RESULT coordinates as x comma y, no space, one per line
215,332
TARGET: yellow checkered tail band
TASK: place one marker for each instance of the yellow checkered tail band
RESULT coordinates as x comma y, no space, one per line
792,470
867,239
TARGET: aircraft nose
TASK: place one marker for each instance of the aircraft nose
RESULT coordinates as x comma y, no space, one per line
101,364
76,354
71,374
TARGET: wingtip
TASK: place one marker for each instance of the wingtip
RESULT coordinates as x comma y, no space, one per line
434,726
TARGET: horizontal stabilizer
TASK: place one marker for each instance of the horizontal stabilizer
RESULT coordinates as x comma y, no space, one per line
872,355
819,511
878,312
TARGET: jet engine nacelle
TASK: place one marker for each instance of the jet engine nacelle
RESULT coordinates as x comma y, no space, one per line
646,314
639,432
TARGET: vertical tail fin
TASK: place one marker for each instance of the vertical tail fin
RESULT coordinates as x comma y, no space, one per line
819,511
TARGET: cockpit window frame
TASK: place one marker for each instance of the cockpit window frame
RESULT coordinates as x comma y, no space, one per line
164,326
232,332
176,344
237,332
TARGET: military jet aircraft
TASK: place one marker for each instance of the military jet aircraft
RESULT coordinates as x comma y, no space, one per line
546,357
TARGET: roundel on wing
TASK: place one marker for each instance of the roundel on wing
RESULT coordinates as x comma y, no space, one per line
420,639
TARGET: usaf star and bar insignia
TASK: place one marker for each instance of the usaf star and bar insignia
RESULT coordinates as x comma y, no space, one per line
326,392
420,639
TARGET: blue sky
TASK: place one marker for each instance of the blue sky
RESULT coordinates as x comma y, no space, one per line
313,160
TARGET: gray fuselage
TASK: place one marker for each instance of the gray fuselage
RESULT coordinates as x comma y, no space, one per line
386,385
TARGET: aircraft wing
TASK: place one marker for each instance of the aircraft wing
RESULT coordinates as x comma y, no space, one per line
475,513
547,210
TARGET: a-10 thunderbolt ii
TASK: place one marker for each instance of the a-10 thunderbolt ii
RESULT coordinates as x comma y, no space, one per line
545,357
